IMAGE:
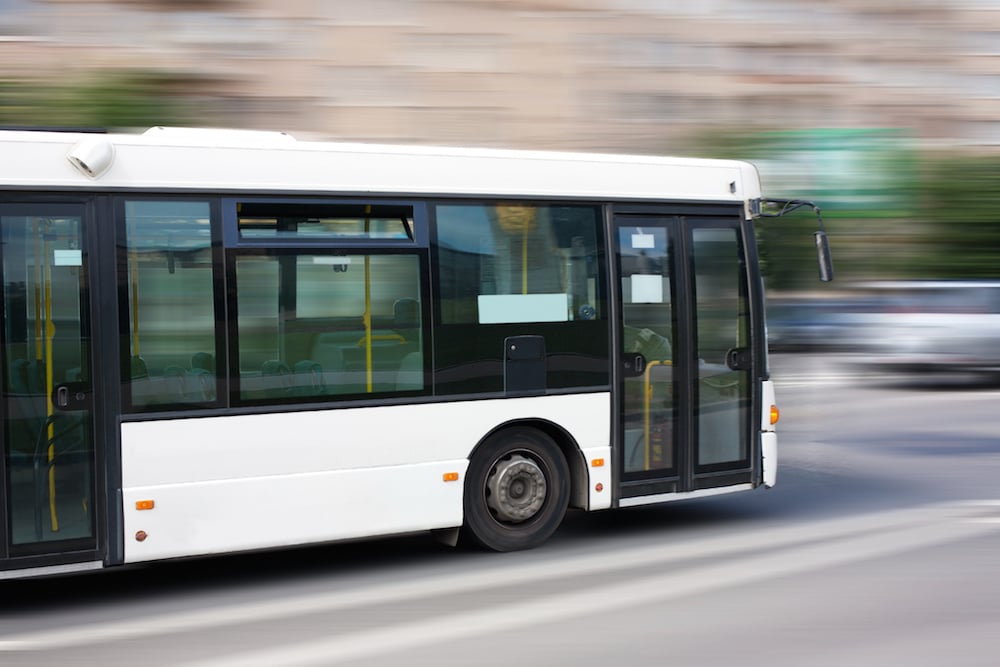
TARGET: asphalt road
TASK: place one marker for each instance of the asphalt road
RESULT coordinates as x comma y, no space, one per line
879,546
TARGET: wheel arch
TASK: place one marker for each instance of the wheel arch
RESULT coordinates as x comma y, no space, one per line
579,478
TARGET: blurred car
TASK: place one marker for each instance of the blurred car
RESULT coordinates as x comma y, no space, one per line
820,324
931,327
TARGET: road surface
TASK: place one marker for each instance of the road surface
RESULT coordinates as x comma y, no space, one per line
879,546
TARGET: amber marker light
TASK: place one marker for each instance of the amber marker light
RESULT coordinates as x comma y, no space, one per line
597,463
775,415
451,477
144,504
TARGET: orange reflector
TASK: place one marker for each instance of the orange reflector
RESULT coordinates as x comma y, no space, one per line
144,504
451,477
775,415
597,463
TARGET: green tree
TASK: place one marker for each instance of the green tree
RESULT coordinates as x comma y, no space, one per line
107,99
864,181
960,208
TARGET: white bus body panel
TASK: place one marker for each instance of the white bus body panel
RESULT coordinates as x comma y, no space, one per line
222,484
768,436
198,160
600,477
682,495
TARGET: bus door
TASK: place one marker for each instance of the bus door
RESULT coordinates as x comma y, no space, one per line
47,480
684,355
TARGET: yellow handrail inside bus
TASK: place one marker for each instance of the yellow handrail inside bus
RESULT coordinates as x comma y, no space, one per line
518,218
524,259
39,345
50,333
647,397
134,273
394,337
367,319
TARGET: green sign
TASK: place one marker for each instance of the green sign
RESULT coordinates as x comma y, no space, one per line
843,169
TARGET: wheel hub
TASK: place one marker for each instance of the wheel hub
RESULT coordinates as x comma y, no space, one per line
516,489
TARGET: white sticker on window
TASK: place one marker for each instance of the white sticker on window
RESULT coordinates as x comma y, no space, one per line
518,308
335,261
647,289
643,241
67,257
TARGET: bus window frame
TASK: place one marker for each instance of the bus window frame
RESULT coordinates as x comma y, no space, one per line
236,400
128,408
233,239
604,319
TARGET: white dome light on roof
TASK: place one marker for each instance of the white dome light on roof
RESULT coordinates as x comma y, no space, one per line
92,156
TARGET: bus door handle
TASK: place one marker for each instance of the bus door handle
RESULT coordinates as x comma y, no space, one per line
71,396
738,359
635,364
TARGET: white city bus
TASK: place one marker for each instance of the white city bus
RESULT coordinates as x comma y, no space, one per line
216,341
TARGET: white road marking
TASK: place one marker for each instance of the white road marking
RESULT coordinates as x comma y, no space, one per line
596,600
805,547
809,380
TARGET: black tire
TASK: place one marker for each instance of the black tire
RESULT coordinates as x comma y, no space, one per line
516,490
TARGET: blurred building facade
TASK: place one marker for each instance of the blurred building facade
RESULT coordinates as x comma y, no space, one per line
635,75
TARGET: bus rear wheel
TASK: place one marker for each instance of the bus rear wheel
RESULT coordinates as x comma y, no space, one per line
517,490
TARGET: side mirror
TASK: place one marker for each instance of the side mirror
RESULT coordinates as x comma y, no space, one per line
824,257
822,245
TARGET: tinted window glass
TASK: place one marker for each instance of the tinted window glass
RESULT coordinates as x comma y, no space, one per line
271,220
323,325
521,298
171,303
510,262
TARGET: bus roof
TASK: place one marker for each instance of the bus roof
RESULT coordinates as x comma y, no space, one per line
165,159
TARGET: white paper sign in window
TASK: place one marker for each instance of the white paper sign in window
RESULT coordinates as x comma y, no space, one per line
641,241
647,288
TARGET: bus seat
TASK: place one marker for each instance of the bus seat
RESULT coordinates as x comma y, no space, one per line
199,385
138,367
174,380
329,347
277,378
201,377
190,386
274,367
308,378
410,376
203,361
406,314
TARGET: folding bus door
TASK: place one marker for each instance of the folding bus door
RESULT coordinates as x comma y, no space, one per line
47,466
684,390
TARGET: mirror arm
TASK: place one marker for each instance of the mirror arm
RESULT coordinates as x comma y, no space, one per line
822,243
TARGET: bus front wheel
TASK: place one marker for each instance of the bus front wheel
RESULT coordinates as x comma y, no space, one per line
517,490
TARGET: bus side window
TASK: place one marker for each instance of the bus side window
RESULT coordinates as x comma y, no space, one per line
171,305
347,325
510,269
515,262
